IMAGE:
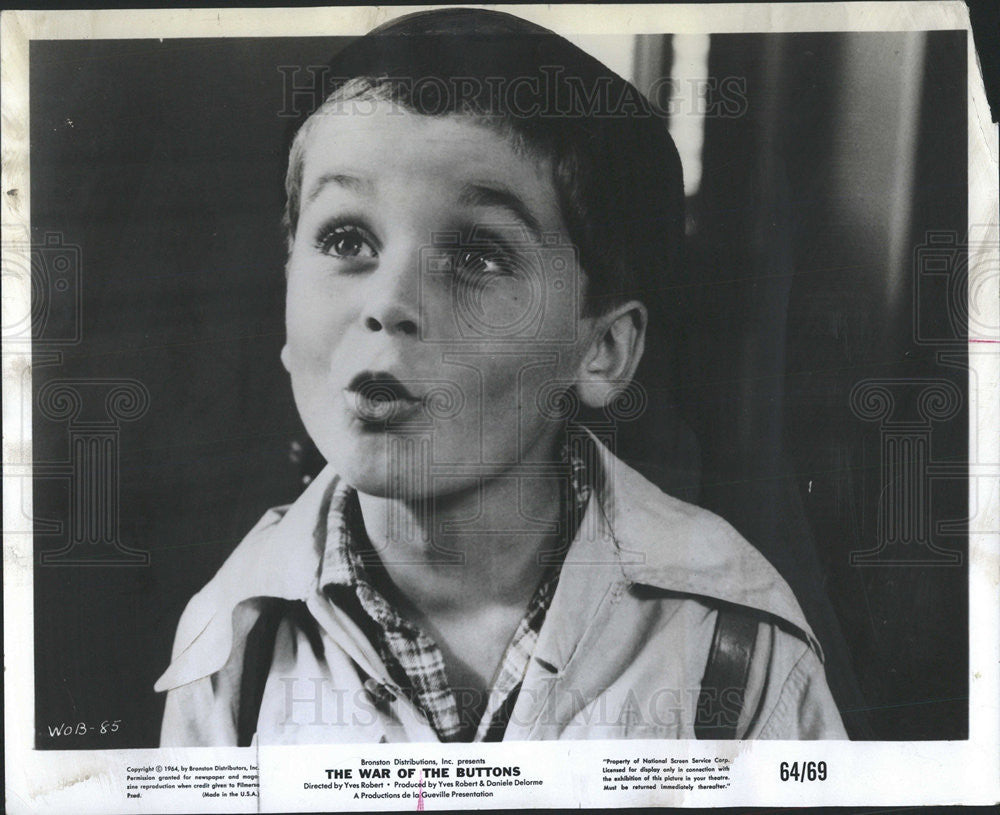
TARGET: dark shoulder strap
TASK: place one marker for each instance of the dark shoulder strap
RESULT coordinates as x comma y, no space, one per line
258,654
723,687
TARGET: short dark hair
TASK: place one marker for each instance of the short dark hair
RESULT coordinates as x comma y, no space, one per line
615,168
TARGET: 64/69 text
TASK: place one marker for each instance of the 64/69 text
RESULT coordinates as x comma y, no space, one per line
802,771
83,729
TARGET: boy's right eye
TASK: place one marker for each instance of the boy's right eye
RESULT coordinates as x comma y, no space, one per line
347,241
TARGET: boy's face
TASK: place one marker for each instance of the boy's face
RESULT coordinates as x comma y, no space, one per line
400,339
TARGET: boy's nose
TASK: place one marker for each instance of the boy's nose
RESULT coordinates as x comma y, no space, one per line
391,300
391,323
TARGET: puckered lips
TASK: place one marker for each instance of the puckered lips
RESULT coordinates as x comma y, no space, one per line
377,397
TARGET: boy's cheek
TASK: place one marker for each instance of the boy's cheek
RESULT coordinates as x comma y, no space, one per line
314,317
305,286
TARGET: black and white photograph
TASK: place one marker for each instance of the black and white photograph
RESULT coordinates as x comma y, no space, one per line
393,393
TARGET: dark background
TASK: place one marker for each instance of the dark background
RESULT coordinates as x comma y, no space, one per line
163,163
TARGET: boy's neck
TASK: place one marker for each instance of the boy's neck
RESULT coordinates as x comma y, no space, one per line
469,549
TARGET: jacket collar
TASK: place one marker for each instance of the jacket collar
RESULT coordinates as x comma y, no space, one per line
280,557
631,533
675,546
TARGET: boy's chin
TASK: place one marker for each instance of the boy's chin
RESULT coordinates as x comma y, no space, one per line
378,485
403,482
373,475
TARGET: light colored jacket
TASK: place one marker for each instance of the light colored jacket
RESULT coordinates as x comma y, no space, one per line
621,653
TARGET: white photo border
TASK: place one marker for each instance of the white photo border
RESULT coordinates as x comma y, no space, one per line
862,773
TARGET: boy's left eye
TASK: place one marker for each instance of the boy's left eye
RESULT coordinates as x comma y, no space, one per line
481,266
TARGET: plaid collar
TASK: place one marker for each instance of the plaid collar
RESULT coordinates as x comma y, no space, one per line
412,657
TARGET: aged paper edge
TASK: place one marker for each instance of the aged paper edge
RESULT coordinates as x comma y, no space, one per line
870,773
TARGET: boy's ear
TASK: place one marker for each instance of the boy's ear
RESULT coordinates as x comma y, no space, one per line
285,355
616,347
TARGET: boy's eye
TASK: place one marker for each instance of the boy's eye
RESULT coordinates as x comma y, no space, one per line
481,266
347,242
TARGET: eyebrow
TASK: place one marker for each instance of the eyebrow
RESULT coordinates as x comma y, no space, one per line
483,195
350,182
